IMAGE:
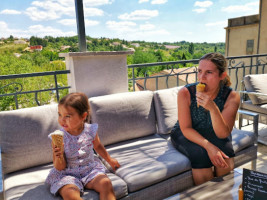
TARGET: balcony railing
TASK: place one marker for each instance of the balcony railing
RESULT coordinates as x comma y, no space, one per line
149,76
183,72
17,87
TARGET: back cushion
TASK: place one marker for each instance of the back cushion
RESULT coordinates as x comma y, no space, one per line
23,137
166,108
123,116
256,83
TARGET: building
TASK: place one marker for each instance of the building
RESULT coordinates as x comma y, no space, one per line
247,35
36,48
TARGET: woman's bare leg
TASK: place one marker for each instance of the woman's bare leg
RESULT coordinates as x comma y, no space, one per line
223,171
202,175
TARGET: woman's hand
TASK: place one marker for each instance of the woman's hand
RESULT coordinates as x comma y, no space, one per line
204,100
114,163
216,156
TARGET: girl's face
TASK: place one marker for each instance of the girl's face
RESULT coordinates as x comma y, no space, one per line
70,119
209,74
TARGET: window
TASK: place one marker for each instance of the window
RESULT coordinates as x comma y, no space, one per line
250,45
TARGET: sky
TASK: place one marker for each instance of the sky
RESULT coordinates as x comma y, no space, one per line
145,20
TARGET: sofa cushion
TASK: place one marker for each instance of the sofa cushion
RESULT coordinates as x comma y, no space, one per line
30,184
256,83
242,139
123,116
148,160
23,136
166,108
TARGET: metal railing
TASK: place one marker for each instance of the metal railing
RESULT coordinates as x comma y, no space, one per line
17,88
238,67
141,76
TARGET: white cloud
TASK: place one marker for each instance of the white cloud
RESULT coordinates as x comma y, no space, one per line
10,12
143,1
90,22
41,31
72,22
159,1
248,8
36,30
130,31
124,26
40,15
200,10
139,15
68,22
203,4
218,23
93,3
55,9
146,27
89,12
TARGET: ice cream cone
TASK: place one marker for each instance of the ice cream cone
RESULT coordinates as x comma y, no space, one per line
57,139
200,88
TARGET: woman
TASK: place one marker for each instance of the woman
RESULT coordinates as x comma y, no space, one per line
203,133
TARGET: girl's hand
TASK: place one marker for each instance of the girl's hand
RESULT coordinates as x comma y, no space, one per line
216,156
57,151
114,164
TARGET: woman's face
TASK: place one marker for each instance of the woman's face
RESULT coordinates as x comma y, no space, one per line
70,119
209,75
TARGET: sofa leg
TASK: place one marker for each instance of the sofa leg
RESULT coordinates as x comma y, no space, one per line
240,121
254,165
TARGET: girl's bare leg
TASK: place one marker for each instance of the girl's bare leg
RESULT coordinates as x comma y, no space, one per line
103,186
70,192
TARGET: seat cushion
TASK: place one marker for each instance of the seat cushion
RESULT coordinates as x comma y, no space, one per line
242,139
123,116
23,136
256,83
166,108
148,160
30,184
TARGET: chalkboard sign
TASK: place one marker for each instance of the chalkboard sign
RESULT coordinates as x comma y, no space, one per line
254,185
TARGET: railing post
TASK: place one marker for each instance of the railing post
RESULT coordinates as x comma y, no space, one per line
97,73
56,86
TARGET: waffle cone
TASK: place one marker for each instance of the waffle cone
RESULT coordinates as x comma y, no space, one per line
57,140
200,88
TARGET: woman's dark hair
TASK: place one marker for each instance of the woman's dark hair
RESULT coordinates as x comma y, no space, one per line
221,63
78,101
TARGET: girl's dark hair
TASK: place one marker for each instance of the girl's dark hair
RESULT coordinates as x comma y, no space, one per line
221,63
78,101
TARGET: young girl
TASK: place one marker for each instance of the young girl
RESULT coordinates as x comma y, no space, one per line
75,166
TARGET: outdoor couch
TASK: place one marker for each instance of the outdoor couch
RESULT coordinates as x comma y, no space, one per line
254,96
133,126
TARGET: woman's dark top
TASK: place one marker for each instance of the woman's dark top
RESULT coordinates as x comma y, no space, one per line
201,122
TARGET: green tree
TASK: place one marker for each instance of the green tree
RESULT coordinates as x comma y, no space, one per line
191,48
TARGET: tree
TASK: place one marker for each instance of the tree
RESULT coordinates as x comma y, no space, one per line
191,48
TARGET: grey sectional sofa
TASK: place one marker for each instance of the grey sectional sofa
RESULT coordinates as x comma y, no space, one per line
133,126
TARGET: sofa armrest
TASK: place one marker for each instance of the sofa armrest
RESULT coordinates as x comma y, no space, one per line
1,178
253,93
255,120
